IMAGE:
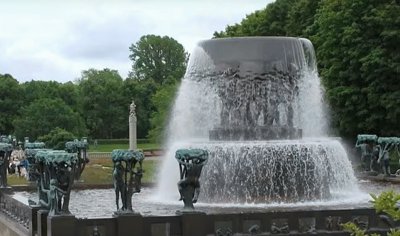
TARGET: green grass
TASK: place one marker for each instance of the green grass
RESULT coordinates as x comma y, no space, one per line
110,147
99,171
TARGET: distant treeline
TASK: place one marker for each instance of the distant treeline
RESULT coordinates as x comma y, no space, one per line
97,104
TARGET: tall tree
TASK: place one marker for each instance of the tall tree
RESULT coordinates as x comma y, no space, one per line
359,57
162,100
43,115
103,103
68,92
155,57
10,101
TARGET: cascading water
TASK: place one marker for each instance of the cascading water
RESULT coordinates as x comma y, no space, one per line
254,103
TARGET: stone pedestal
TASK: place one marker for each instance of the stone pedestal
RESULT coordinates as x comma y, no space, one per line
191,223
129,224
33,218
41,221
61,225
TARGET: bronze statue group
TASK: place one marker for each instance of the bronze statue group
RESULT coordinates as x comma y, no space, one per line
376,152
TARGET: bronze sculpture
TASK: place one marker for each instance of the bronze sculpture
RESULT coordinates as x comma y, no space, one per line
126,180
191,162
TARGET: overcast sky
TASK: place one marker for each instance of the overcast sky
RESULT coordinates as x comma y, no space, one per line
56,40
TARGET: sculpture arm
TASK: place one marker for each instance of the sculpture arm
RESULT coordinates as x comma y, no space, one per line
357,144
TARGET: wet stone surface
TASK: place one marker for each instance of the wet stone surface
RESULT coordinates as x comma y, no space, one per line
101,202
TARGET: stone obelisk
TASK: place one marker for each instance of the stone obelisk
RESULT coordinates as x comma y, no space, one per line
132,127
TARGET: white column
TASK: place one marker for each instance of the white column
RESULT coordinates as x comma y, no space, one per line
132,127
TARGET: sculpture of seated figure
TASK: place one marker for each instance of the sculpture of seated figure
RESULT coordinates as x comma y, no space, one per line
191,162
54,195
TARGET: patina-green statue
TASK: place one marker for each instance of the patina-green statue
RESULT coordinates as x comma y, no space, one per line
385,146
375,151
5,153
367,142
30,151
56,176
126,180
80,148
191,162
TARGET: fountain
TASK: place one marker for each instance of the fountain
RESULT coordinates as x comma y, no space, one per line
250,118
256,105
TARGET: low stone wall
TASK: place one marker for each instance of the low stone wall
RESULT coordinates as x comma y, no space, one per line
33,221
313,222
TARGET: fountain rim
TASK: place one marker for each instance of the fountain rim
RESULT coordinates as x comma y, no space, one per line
247,38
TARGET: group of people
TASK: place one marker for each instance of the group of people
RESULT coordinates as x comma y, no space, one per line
18,164
375,157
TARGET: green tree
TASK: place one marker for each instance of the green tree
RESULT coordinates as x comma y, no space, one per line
57,138
43,115
105,108
163,100
68,92
155,57
301,17
359,60
10,101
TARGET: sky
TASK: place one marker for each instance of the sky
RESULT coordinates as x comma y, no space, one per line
57,40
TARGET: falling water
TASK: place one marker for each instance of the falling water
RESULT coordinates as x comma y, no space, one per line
254,103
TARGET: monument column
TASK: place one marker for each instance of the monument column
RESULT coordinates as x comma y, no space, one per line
132,127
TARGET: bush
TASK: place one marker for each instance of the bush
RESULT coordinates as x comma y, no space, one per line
119,141
57,138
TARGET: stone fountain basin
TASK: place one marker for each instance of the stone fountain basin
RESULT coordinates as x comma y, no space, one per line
100,203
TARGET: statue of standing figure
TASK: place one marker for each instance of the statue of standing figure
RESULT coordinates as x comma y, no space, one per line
191,162
366,143
5,153
126,180
56,176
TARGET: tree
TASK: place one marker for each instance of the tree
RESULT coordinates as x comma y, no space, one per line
45,114
155,57
57,138
163,100
105,108
359,59
68,92
10,101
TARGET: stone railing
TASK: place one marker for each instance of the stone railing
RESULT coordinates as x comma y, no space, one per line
107,155
16,210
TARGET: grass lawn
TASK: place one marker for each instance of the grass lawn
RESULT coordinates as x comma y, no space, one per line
110,147
99,171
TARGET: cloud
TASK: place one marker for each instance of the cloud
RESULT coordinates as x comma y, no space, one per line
56,40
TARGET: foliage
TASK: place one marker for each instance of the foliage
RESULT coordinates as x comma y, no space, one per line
162,100
45,114
68,92
106,109
360,66
158,63
57,138
10,101
157,58
386,202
